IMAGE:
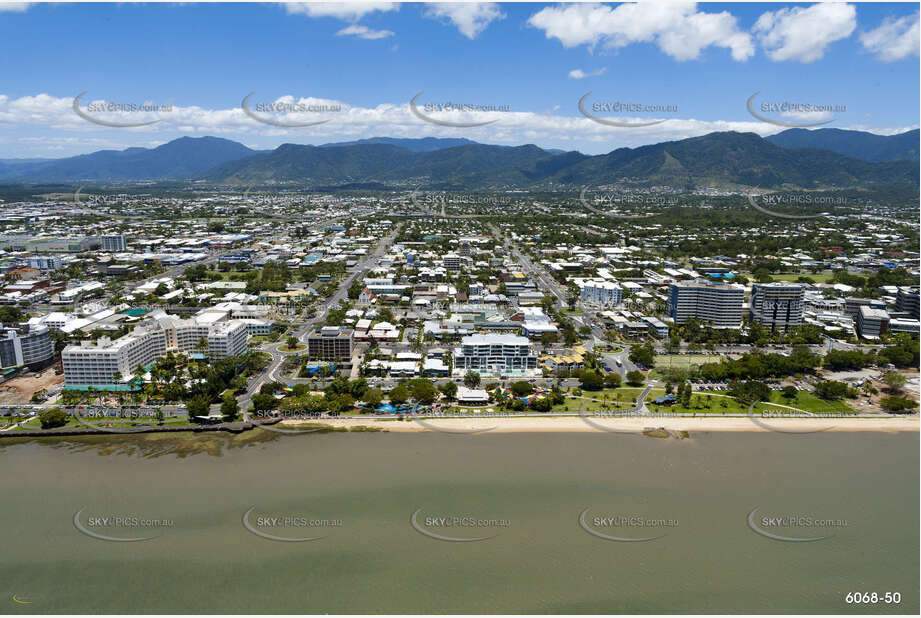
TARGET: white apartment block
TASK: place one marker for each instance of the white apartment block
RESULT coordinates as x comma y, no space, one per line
601,292
113,243
45,262
451,261
716,304
494,353
97,364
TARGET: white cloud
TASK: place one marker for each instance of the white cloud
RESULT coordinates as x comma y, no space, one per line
363,32
471,18
803,34
15,7
580,74
348,11
27,119
894,39
679,29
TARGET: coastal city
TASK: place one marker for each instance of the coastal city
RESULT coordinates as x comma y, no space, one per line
259,307
460,308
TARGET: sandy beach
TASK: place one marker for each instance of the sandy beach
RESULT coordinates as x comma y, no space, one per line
602,424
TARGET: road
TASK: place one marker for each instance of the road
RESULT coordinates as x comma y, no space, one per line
302,329
588,317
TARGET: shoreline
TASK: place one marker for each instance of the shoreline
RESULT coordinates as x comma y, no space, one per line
600,425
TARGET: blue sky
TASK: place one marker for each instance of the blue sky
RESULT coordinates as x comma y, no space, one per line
365,61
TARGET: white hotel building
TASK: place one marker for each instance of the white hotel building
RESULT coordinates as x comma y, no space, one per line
97,364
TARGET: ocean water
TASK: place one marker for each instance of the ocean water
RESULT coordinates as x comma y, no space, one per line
395,520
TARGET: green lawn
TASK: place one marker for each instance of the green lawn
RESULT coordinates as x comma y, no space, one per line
594,400
73,423
810,403
820,278
803,401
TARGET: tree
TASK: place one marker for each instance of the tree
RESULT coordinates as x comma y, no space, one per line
591,381
423,391
291,342
342,403
831,390
373,397
544,404
200,405
572,297
10,315
472,379
749,391
229,406
635,378
521,388
895,381
643,355
898,404
53,417
789,392
686,396
448,389
612,380
399,395
355,289
263,402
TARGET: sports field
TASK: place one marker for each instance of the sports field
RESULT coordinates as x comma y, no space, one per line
685,361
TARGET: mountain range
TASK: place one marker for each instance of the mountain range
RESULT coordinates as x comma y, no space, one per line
181,158
856,144
817,159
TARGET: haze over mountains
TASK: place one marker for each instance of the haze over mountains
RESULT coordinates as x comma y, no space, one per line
857,144
823,158
185,157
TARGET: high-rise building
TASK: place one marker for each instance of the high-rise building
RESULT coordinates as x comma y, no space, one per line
601,292
871,323
777,305
907,300
715,303
331,343
26,345
113,243
852,306
98,363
